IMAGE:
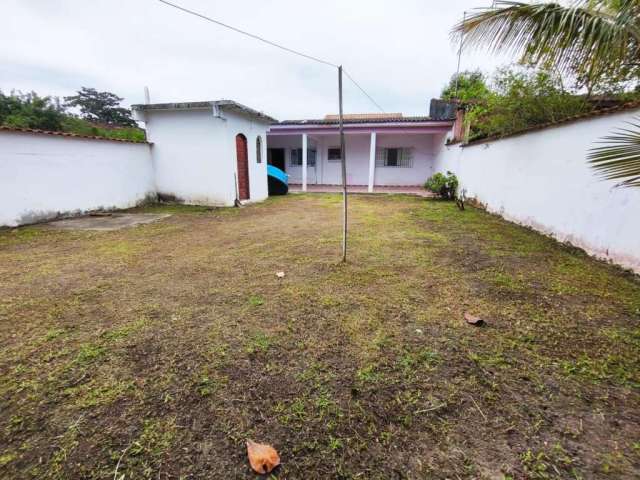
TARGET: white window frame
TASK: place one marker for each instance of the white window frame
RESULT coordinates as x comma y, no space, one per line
334,159
405,159
295,157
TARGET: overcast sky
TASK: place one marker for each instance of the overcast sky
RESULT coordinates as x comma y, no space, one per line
398,50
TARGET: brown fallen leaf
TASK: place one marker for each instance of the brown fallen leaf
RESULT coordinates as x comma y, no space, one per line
473,320
263,458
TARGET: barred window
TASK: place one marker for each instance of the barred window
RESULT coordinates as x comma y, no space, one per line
394,157
334,154
296,157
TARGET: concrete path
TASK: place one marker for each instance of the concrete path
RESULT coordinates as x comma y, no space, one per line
421,192
107,221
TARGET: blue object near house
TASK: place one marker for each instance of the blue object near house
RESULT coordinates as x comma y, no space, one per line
278,181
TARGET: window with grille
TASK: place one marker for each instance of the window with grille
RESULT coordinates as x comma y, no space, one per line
296,157
333,154
258,150
394,157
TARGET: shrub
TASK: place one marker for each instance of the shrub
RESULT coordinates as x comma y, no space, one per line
444,185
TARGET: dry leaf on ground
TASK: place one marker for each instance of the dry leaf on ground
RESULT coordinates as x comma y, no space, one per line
263,458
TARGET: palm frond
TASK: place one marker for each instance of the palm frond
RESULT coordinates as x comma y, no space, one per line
619,156
540,33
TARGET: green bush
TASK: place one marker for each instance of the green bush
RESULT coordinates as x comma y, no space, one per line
444,185
81,126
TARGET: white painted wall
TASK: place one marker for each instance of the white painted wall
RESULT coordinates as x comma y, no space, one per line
541,180
237,123
44,176
329,173
423,160
194,155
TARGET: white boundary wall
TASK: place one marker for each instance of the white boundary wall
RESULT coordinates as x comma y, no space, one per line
44,176
541,179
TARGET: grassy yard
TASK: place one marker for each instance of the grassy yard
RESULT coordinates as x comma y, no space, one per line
157,350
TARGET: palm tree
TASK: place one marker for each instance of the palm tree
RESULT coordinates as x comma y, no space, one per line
595,38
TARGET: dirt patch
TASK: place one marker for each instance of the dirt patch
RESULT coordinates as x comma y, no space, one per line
106,221
158,350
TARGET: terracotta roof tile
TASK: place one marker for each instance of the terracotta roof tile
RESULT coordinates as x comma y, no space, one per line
364,116
66,134
351,121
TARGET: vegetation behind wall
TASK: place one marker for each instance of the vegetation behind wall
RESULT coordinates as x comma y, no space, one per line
101,117
517,98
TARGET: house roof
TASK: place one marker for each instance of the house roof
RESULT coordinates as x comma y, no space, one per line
66,134
224,104
364,116
360,118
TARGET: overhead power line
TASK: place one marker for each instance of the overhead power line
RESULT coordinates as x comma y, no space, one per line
269,42
255,37
362,90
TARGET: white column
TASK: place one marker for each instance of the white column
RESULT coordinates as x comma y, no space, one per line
372,161
304,162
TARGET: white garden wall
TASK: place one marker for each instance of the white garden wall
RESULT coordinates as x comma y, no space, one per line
44,176
541,179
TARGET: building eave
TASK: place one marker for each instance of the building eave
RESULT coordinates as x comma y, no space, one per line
379,127
229,105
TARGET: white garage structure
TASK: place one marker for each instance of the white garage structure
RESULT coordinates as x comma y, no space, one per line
207,153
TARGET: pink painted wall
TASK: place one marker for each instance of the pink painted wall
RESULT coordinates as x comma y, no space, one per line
358,147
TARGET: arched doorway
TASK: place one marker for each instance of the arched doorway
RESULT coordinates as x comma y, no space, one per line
243,167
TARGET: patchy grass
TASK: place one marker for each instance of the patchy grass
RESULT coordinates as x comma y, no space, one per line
156,351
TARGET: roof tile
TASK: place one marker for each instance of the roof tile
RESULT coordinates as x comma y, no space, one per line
5,128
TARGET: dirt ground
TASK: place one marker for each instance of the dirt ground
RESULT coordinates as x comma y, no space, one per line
155,351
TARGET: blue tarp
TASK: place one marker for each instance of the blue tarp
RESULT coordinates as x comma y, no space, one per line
278,174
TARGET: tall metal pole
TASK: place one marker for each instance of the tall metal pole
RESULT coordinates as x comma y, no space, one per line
343,160
464,17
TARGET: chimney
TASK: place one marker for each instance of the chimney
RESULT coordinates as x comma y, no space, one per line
458,126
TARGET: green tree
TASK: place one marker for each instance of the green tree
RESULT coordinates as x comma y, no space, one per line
101,107
520,98
29,110
590,39
466,86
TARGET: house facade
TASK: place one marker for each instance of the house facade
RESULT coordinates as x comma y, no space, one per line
381,149
207,153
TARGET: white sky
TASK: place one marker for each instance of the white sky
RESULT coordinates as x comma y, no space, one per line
398,50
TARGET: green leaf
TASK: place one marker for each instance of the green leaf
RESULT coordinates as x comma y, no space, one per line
619,156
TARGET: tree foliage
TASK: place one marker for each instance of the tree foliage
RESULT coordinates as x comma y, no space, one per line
466,86
520,98
595,38
101,107
597,42
29,110
619,156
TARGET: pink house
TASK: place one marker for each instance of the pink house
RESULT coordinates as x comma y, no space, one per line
387,149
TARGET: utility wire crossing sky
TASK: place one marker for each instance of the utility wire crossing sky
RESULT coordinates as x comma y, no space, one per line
273,44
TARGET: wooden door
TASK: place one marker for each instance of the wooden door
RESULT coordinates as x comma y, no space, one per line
243,167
